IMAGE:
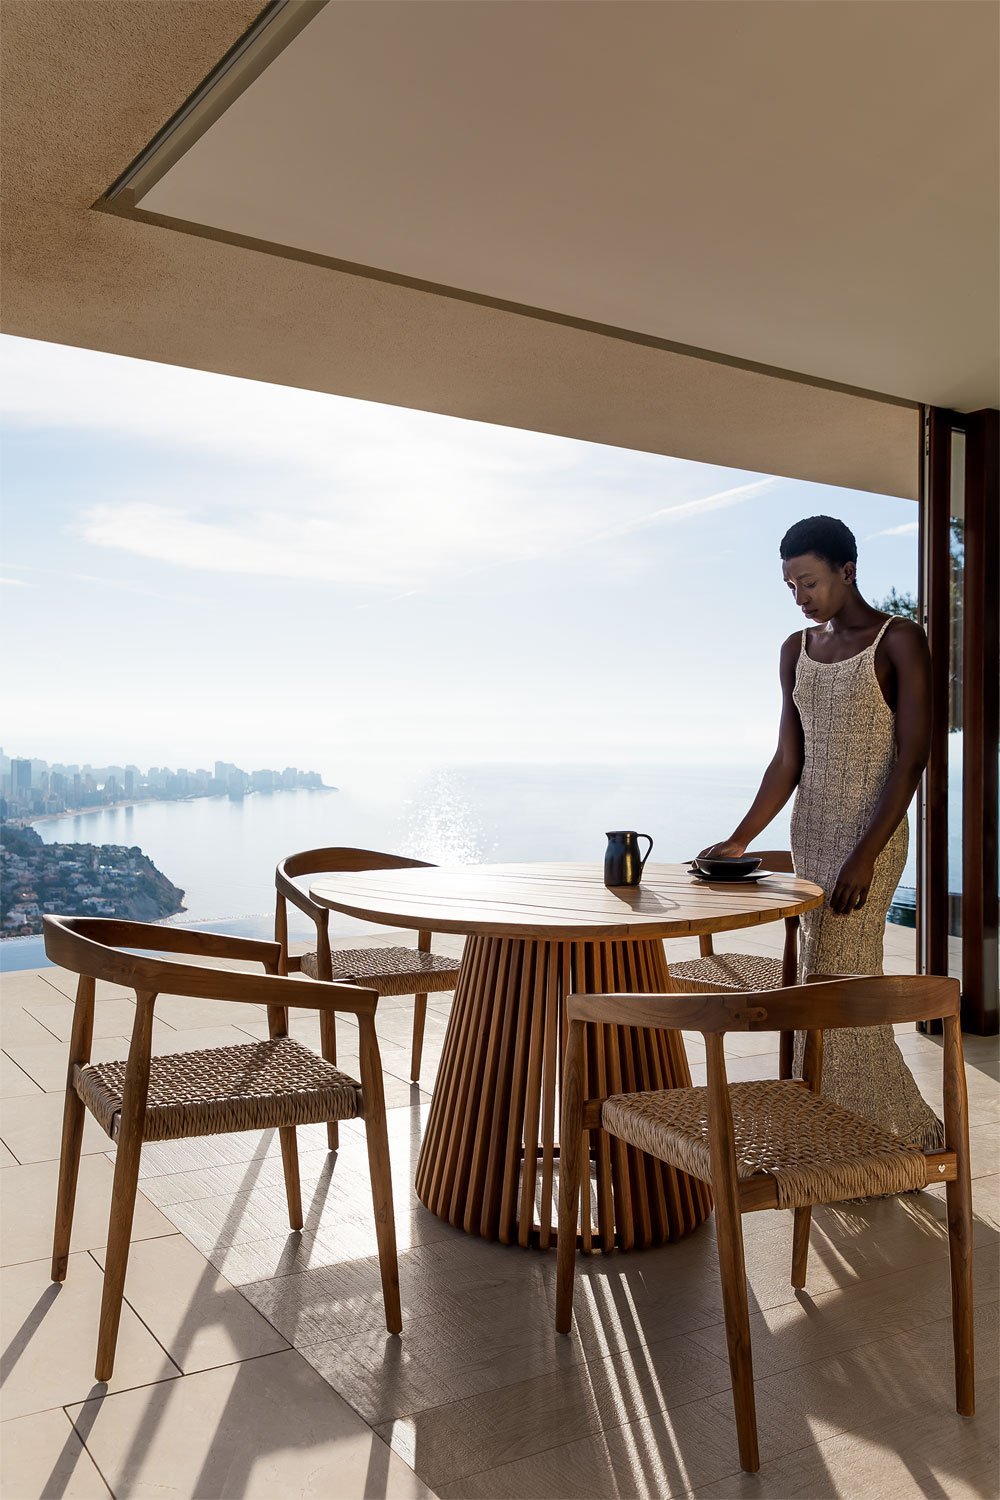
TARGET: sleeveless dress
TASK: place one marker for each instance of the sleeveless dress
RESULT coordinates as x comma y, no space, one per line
850,750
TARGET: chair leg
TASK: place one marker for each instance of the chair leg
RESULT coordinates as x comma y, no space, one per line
328,1046
958,1195
959,1200
385,1221
729,1237
116,1258
130,1134
800,1246
290,1164
571,1166
74,1116
419,1017
734,1299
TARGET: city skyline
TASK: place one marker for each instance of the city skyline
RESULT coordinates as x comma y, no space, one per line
365,587
31,787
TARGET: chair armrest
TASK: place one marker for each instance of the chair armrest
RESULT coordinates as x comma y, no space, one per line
876,1000
726,1012
287,888
229,985
83,945
63,934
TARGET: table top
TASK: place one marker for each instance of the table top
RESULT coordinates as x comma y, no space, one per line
562,901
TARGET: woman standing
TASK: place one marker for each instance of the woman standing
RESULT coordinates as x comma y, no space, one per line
853,740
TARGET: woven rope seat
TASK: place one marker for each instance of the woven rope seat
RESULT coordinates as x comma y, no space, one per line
255,1087
718,972
814,1151
391,971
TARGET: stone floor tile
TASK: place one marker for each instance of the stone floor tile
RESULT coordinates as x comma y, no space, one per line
65,983
14,1083
266,1429
923,1450
199,1038
814,1327
42,1455
652,1458
46,1062
187,1013
6,1159
439,1359
31,1128
18,1025
199,1318
29,1205
497,1426
343,1299
874,1383
50,1339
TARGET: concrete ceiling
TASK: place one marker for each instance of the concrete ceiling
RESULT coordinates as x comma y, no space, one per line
88,83
806,186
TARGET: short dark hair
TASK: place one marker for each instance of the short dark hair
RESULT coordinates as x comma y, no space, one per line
824,536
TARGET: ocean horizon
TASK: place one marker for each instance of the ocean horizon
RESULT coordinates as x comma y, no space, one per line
222,852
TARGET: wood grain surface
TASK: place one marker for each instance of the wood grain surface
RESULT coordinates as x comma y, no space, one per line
562,901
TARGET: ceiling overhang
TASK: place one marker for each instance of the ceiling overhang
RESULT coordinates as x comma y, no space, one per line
211,257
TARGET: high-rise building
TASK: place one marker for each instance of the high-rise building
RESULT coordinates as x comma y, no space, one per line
20,779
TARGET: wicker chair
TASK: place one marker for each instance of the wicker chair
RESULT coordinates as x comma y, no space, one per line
714,973
389,971
275,1084
773,1143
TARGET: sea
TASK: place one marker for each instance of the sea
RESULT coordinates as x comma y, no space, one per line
222,852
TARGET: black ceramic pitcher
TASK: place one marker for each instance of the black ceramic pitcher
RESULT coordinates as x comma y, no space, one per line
622,865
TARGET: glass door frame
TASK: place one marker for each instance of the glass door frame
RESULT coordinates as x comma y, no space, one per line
980,708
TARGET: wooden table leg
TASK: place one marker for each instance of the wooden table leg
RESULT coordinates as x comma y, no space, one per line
489,1159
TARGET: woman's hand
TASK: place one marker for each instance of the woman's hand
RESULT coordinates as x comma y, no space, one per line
728,849
853,883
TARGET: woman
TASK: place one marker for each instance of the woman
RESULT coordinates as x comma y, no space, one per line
854,740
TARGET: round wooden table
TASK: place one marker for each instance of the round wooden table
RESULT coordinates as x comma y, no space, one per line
537,933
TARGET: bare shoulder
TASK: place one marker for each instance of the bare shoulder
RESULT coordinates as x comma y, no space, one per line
788,662
905,642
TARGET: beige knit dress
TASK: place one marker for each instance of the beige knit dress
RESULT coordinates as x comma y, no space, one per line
850,750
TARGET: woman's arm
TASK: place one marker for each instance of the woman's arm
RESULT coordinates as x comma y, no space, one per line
782,775
906,646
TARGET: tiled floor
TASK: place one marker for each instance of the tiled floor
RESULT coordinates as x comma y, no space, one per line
254,1362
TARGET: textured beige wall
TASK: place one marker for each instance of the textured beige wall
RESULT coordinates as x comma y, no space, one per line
87,83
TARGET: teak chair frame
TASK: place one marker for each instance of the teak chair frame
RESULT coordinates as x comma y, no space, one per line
328,862
782,863
813,1008
92,948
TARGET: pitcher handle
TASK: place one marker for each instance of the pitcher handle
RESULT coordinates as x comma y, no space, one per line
648,852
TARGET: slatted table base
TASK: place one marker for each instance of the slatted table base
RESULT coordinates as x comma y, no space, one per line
489,1159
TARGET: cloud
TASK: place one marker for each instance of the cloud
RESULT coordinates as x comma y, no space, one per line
233,476
908,528
14,583
123,585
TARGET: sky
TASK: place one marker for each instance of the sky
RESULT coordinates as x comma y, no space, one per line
196,567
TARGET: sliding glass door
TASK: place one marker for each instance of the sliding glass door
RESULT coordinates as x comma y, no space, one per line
958,847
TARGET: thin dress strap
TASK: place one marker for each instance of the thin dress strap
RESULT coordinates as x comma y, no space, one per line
881,633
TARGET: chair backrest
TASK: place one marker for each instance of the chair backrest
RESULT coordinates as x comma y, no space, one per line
339,860
98,948
778,860
871,1000
781,862
343,859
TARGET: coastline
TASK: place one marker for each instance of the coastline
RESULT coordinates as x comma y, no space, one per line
79,812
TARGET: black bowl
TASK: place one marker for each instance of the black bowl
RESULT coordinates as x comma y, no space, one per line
728,869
